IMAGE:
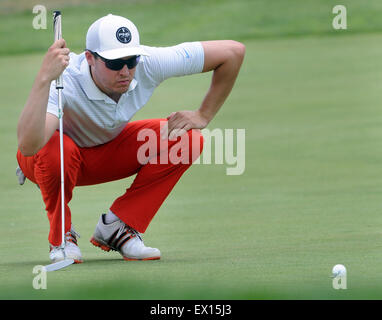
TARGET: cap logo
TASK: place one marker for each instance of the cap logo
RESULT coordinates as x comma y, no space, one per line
123,35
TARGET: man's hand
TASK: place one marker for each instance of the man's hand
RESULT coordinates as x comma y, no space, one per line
55,61
180,122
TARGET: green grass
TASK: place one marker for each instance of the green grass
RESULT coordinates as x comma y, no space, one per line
164,22
309,198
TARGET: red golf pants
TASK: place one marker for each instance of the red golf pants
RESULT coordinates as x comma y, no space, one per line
114,160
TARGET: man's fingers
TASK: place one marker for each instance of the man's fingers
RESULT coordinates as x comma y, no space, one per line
165,128
178,130
171,115
173,119
174,123
187,127
65,51
177,133
60,43
63,55
55,60
59,49
65,61
177,124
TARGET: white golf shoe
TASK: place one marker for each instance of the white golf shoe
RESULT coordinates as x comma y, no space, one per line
72,251
120,237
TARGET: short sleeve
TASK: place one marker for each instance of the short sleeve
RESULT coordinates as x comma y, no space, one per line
180,60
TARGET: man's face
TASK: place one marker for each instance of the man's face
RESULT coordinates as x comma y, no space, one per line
111,82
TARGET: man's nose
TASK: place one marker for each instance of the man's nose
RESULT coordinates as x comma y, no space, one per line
124,71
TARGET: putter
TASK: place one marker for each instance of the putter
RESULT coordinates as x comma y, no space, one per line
59,86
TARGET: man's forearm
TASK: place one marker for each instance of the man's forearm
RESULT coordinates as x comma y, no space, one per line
223,79
32,132
31,125
222,83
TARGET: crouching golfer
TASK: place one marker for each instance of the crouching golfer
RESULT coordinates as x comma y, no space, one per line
103,88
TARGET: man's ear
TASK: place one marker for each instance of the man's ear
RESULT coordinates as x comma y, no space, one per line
90,58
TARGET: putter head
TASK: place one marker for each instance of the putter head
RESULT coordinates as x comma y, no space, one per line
58,265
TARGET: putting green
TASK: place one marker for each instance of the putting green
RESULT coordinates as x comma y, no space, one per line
309,197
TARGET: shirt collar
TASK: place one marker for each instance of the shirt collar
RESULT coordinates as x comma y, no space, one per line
90,88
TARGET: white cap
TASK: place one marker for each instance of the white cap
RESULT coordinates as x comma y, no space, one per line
114,37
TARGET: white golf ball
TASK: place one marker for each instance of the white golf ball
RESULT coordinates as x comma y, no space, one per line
338,270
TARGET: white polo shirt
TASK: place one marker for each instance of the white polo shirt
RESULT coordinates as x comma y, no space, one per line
92,118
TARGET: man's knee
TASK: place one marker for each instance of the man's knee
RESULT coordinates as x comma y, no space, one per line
188,148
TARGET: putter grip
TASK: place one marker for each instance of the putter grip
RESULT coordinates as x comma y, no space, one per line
57,36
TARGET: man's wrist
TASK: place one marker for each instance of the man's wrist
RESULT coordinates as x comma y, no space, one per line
42,80
207,116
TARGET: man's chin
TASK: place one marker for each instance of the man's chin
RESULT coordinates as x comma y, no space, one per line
122,89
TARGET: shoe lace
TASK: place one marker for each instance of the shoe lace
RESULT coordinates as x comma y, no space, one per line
133,232
72,235
74,232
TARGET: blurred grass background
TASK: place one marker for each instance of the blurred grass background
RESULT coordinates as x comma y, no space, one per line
171,21
309,99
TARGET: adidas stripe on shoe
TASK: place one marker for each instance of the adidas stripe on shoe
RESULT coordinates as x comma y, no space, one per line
71,249
120,237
